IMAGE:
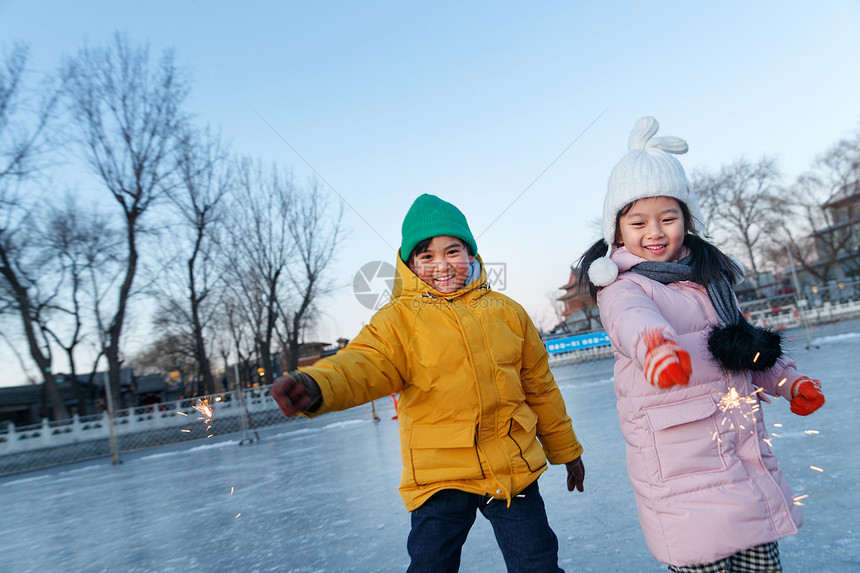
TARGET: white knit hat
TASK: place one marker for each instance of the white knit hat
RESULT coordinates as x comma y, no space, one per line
648,170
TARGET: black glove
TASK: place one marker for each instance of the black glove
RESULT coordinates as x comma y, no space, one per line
296,392
575,474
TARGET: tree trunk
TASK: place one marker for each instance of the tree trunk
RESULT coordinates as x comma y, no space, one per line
115,330
203,368
42,361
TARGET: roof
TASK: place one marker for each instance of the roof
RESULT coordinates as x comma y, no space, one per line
846,194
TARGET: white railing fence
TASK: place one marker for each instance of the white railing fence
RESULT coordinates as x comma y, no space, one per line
52,442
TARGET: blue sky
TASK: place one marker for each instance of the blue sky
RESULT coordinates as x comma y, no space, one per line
473,101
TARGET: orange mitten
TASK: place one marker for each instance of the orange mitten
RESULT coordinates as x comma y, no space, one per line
666,363
806,396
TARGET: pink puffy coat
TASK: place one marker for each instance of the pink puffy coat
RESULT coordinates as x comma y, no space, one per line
706,482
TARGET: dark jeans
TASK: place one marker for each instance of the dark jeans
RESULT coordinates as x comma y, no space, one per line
441,524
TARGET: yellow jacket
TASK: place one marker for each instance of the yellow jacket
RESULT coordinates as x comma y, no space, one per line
475,389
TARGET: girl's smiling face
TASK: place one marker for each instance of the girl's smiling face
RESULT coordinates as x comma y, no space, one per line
653,229
444,265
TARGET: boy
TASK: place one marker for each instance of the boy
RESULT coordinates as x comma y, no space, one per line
476,395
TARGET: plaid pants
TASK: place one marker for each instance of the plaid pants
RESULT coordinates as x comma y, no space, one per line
761,559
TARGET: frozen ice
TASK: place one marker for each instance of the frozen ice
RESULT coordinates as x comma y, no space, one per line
321,495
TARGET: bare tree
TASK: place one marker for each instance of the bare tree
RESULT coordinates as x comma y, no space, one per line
170,351
23,146
705,185
316,234
127,113
83,243
259,249
820,211
25,116
205,179
739,202
18,268
235,333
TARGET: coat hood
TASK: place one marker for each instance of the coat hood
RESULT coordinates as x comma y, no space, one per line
407,283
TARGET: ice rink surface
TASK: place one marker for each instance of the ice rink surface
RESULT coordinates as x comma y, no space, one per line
321,495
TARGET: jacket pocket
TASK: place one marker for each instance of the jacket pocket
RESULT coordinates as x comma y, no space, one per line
685,437
444,452
523,431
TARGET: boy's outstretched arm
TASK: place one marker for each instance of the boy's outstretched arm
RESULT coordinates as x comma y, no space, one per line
575,474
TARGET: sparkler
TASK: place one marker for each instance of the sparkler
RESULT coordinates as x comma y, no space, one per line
204,407
733,400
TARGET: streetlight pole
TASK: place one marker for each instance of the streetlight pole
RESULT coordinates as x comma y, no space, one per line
797,300
114,449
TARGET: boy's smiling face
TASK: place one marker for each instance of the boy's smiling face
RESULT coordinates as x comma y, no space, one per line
444,265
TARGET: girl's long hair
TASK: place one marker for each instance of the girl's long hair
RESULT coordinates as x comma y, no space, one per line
708,262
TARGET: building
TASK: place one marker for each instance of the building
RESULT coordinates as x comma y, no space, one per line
579,312
310,352
29,404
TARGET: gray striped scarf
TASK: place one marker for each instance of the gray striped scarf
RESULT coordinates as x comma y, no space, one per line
720,292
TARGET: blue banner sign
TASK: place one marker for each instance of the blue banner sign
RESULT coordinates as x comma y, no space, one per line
578,342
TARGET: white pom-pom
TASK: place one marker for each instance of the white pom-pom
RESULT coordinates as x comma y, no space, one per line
603,272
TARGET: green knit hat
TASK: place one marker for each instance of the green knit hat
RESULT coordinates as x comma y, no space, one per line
429,216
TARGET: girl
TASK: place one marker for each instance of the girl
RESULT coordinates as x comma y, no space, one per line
689,373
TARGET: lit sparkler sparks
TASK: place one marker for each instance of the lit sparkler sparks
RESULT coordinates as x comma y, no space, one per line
734,400
203,407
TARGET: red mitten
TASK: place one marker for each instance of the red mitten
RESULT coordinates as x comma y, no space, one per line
666,363
806,396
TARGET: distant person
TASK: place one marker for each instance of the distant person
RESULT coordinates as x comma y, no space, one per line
480,412
689,373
